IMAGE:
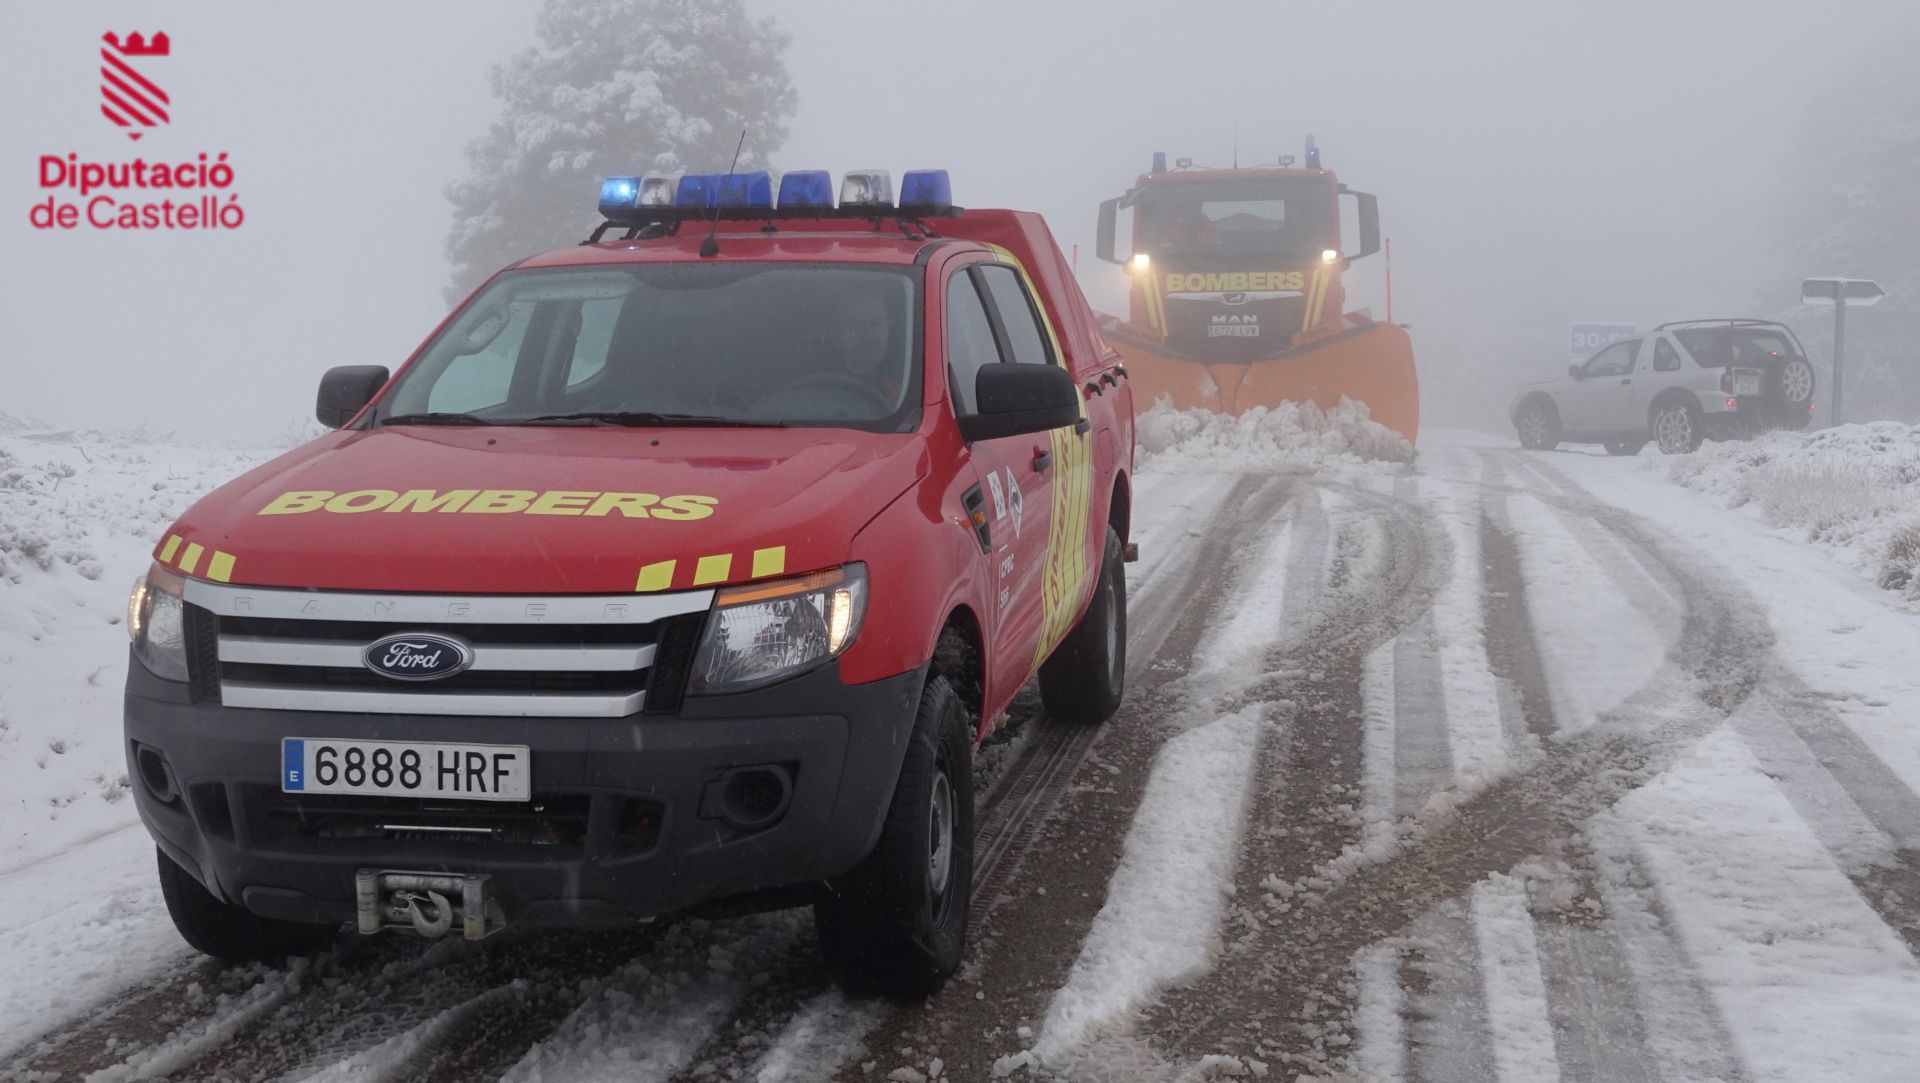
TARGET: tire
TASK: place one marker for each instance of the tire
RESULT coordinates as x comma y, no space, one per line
1539,426
1625,447
1792,384
1084,680
232,933
897,924
1678,427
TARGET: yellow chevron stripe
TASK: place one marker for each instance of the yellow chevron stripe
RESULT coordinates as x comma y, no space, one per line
655,576
770,561
190,560
220,568
712,569
171,547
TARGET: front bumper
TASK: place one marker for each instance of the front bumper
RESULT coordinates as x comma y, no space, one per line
626,820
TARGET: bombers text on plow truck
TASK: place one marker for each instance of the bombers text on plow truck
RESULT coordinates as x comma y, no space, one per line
687,564
1236,296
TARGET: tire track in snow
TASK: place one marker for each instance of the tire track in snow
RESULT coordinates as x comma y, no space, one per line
1024,949
1309,945
1388,561
1866,817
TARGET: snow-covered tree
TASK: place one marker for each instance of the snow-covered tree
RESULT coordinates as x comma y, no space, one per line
614,86
1853,209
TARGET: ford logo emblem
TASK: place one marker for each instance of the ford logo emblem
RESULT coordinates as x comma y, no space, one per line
417,656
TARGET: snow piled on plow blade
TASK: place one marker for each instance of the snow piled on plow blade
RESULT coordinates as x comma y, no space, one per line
1294,436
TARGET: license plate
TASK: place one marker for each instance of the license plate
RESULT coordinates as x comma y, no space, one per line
405,769
1746,382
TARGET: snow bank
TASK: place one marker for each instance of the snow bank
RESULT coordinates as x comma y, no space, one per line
1855,488
1290,437
79,515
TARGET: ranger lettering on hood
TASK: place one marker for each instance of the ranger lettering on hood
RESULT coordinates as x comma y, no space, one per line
493,502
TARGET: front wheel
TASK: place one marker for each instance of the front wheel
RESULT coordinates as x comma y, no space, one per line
1539,427
1625,447
1678,427
231,933
1085,678
897,923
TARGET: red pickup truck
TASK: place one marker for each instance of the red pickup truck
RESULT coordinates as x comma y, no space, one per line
691,563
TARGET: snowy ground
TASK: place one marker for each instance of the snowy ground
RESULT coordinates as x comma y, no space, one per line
1491,765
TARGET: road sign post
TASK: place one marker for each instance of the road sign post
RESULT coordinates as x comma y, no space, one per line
1840,293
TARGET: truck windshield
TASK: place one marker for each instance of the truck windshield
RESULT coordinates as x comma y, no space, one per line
1278,216
792,344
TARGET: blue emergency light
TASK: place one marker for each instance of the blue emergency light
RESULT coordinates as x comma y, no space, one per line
617,195
696,191
658,203
806,189
925,189
745,190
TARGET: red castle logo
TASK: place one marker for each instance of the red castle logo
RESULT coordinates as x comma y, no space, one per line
128,98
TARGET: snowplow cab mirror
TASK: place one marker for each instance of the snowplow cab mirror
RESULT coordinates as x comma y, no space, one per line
1103,240
1574,371
1018,399
1368,206
346,390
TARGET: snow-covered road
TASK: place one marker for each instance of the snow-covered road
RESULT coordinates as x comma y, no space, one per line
1495,766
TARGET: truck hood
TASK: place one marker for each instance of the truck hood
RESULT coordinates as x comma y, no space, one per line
487,510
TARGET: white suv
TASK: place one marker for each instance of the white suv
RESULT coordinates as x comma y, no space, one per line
1677,385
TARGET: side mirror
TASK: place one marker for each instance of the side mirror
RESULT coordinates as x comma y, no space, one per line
1574,371
1368,207
1017,399
345,391
1103,238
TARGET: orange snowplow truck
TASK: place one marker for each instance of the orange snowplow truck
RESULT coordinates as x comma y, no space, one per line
1236,295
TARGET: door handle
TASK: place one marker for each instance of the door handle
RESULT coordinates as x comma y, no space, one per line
1041,460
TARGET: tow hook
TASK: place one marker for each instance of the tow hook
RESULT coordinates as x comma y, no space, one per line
427,903
1130,552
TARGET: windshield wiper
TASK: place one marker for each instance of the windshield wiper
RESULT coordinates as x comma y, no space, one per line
641,418
437,419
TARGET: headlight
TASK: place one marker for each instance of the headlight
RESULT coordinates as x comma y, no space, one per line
763,632
157,622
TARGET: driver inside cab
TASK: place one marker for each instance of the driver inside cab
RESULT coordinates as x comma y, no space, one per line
860,342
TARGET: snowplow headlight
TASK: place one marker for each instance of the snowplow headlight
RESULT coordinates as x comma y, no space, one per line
867,188
745,190
926,189
806,188
1331,255
617,195
157,624
759,633
1142,261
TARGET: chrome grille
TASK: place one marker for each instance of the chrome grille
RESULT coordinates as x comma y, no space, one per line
563,656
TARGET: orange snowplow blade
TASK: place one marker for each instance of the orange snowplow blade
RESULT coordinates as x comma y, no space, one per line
1371,364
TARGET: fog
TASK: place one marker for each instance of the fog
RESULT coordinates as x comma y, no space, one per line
1535,162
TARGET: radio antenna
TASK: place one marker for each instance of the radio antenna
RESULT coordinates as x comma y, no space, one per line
711,246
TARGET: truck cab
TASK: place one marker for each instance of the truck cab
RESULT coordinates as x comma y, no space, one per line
689,564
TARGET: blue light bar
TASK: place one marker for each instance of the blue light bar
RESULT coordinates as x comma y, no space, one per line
929,188
806,188
617,195
746,190
696,191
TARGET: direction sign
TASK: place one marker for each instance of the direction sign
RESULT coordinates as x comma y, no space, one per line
1589,338
1842,294
1853,291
